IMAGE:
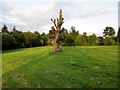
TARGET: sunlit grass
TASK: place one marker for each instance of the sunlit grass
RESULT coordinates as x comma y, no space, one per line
80,66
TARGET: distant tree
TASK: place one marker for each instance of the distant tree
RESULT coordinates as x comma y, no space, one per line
74,33
37,33
45,38
31,39
18,35
85,39
109,32
101,40
63,36
69,41
8,41
36,41
40,43
82,40
92,39
107,41
114,40
5,29
19,39
79,40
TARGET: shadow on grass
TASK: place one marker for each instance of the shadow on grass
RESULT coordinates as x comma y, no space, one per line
12,50
20,49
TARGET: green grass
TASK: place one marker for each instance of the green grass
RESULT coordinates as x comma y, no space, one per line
75,67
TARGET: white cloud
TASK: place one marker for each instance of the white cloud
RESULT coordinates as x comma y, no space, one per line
36,15
33,14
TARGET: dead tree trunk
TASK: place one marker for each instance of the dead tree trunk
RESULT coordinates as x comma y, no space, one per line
55,33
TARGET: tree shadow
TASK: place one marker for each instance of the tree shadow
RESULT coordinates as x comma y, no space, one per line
12,50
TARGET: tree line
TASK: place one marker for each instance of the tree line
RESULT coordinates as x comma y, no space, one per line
17,39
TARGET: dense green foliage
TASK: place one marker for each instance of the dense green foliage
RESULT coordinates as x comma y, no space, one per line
18,39
8,41
78,66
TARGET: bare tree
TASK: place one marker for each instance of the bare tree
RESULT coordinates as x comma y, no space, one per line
55,32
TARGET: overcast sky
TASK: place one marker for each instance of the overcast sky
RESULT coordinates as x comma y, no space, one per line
90,16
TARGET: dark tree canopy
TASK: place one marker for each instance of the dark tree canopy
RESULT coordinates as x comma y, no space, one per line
109,32
5,29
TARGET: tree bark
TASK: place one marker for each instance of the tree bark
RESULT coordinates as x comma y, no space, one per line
55,39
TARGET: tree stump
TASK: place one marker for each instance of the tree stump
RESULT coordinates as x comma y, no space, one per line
55,32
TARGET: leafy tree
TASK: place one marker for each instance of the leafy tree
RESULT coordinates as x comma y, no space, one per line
107,41
84,39
115,40
111,31
19,39
44,38
8,41
101,40
40,43
35,40
31,39
69,40
109,34
37,33
63,37
74,33
79,40
5,29
18,35
92,39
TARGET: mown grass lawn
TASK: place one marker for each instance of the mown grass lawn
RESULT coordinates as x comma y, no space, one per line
75,67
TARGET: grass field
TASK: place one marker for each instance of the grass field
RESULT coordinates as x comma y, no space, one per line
82,67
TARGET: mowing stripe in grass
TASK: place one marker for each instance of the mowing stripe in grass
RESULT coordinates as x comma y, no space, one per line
74,67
